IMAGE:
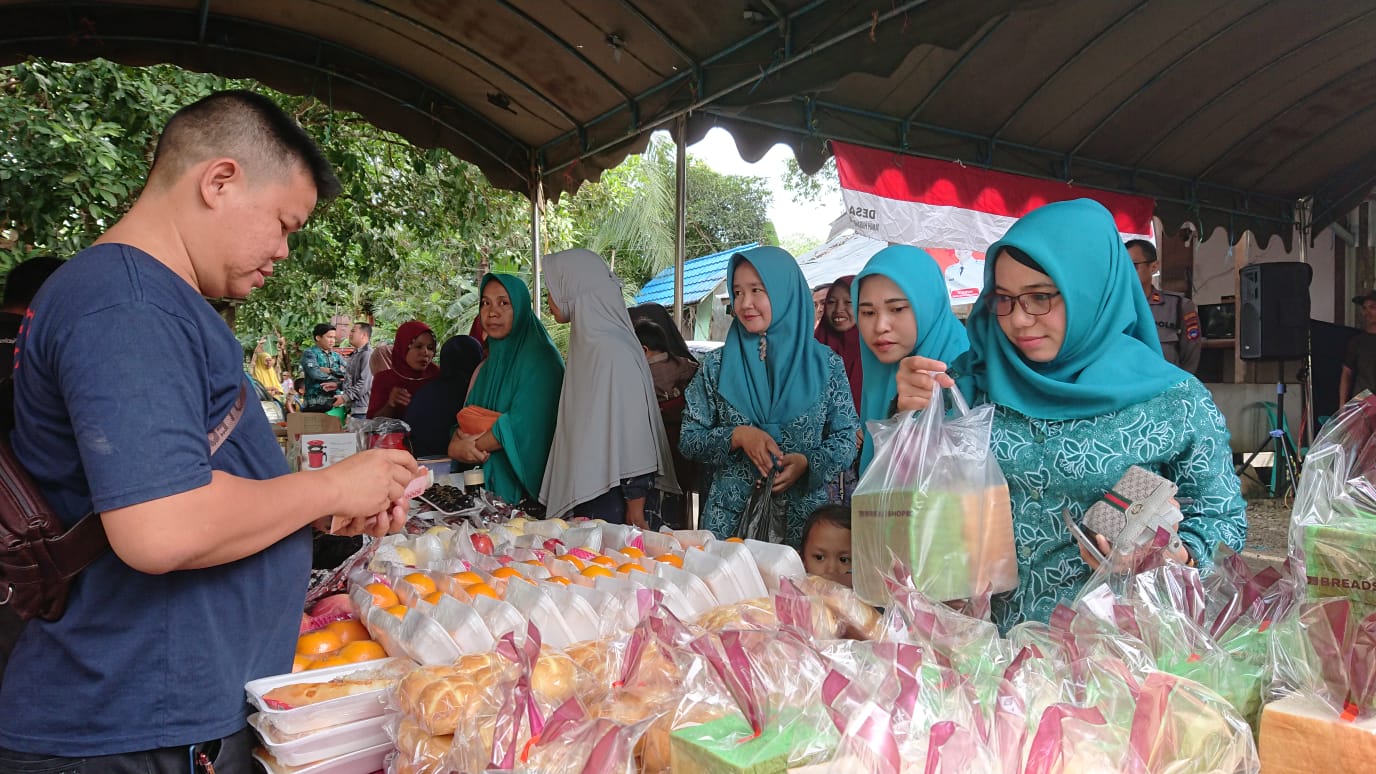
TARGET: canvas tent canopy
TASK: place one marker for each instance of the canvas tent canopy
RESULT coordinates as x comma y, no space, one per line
1224,111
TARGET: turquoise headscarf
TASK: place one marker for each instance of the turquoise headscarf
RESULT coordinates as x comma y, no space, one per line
774,391
940,335
520,379
1110,357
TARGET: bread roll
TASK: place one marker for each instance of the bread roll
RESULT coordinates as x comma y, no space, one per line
554,679
419,752
750,614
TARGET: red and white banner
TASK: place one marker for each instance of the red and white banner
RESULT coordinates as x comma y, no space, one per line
958,210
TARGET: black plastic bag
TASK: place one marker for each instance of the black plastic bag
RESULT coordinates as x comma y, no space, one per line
765,516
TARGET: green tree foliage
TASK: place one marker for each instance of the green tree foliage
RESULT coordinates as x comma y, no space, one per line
723,211
823,186
409,236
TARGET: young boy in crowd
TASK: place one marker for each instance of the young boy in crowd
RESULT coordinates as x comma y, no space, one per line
826,544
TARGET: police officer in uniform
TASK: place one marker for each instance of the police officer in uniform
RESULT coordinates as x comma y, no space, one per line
1177,319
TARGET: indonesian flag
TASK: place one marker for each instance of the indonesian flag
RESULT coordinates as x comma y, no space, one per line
956,212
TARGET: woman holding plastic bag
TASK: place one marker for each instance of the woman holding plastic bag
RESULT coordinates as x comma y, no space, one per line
1063,343
772,398
901,309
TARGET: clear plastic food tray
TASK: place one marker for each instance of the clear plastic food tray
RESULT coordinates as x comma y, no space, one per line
333,712
326,743
363,761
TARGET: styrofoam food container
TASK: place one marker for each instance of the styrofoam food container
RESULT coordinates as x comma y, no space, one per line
323,744
345,709
776,562
363,761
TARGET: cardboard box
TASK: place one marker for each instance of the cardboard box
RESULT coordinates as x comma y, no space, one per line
316,451
309,422
1300,734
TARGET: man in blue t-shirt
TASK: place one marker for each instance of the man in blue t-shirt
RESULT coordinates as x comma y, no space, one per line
205,583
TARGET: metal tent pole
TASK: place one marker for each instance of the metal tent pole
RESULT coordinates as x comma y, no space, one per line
680,217
537,206
1304,208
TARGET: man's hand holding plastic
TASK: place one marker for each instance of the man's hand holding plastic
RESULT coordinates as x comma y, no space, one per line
371,487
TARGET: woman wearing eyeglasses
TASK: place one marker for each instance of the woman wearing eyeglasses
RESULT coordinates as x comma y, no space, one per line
1063,343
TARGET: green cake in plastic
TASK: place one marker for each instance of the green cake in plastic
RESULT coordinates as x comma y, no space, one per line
924,531
716,747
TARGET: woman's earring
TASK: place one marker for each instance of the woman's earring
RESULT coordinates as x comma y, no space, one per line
764,345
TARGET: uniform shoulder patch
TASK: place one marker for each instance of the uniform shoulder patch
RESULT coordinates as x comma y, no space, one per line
1192,329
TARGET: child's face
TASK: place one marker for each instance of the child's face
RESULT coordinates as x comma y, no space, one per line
827,552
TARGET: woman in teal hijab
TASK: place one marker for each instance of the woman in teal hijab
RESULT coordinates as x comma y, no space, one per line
520,380
1063,343
772,395
903,311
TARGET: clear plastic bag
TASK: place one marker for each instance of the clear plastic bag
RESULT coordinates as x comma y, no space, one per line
934,498
1333,526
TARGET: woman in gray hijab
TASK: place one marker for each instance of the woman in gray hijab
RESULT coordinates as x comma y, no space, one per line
609,446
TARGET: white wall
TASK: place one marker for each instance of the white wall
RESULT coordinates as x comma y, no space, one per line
1214,276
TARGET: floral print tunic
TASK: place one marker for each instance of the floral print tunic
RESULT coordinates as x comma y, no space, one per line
825,434
320,367
1053,465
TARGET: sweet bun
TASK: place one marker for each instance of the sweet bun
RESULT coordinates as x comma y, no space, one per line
554,678
419,752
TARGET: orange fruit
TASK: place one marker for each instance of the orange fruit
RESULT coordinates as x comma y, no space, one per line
383,596
575,561
735,540
434,597
362,650
605,561
332,661
557,579
673,559
422,582
483,589
597,571
398,610
350,630
467,578
630,567
633,552
507,572
318,643
534,562
301,662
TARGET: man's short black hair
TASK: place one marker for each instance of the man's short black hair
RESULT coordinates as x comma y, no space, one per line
366,328
24,280
651,336
1148,249
321,330
248,127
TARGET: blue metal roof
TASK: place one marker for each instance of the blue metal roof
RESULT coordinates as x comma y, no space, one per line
700,276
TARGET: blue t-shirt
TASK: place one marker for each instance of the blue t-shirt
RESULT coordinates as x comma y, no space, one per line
120,373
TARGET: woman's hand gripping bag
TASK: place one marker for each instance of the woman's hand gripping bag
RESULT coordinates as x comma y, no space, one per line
934,499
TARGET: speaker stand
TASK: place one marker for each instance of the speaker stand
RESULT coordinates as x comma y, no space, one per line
1285,459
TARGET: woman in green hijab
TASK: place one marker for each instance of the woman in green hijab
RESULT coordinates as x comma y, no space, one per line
771,396
520,380
1063,343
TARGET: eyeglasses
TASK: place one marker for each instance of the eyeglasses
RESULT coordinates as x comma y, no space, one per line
1035,304
1142,263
